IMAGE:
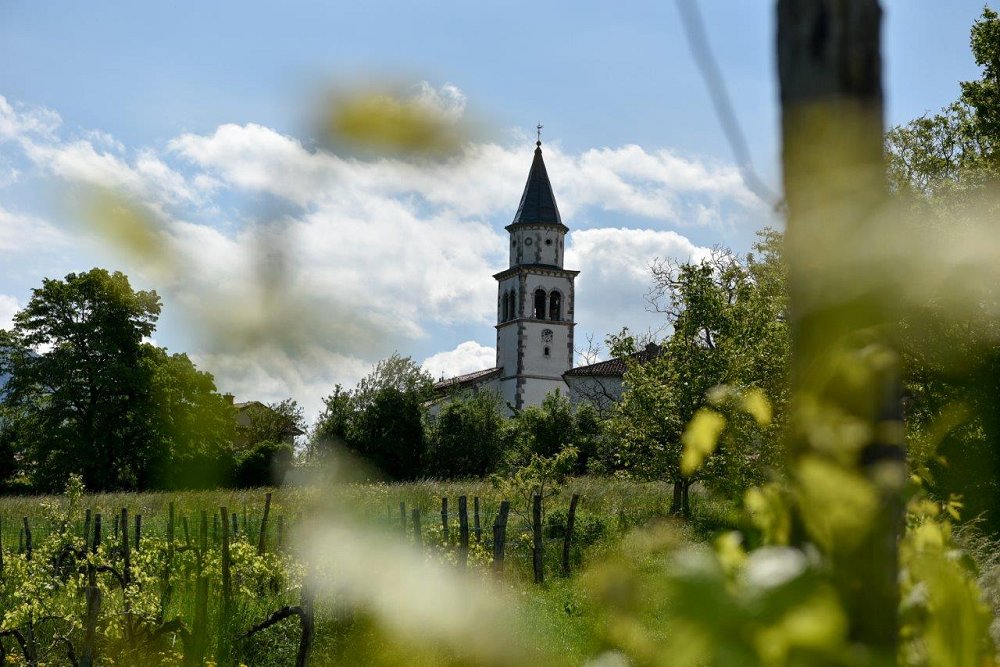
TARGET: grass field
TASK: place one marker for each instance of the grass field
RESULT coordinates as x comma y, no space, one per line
380,598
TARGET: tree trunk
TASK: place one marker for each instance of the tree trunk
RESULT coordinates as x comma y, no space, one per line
685,502
829,66
676,503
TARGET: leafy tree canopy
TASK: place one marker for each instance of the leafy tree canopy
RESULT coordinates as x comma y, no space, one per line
88,396
953,154
729,329
380,420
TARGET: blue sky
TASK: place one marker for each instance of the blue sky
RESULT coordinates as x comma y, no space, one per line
202,111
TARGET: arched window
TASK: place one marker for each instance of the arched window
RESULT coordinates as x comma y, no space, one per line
555,306
539,304
506,307
512,308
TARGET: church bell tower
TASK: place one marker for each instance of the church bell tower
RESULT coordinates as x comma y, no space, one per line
535,297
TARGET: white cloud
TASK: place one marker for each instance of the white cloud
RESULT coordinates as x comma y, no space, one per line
447,101
467,357
8,307
614,265
147,178
270,374
303,267
19,121
20,234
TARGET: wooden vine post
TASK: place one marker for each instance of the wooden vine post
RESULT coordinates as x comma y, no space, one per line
92,594
126,551
418,535
500,536
227,581
830,72
27,539
536,539
475,514
444,519
225,645
262,537
463,532
200,631
568,539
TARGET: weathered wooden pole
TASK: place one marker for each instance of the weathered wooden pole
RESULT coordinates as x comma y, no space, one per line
92,594
568,538
830,71
475,514
262,537
227,580
418,534
199,632
27,538
444,519
500,536
463,532
536,541
126,551
96,543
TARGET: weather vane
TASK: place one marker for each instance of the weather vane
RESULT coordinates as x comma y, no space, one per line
538,129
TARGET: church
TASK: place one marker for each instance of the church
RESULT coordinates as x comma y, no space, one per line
535,304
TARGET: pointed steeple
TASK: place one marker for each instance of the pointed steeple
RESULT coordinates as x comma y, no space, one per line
538,204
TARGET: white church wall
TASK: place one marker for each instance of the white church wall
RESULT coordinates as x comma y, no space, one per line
536,390
601,392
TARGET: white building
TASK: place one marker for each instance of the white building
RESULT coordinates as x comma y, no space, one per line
535,303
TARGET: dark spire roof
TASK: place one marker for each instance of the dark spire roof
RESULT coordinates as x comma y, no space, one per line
538,204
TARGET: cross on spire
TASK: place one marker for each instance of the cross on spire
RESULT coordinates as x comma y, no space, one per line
538,129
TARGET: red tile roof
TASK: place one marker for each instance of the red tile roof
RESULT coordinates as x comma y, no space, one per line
615,367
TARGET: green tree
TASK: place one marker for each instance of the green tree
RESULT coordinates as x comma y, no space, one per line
332,426
729,329
388,433
467,437
273,422
395,372
946,166
193,424
951,157
8,446
547,429
380,420
88,395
